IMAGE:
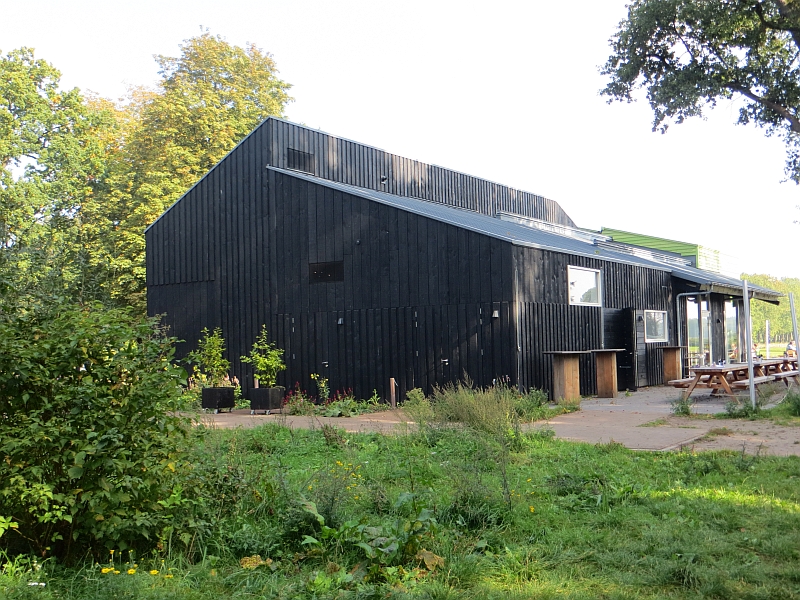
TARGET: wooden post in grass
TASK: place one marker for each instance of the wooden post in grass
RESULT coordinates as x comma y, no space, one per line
393,393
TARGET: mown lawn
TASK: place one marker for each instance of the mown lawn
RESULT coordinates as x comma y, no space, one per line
462,511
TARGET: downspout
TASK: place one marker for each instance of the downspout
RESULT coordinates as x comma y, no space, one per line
517,328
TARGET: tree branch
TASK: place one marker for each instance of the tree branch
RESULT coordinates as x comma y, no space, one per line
788,13
794,122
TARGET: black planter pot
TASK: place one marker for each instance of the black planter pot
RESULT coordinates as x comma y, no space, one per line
216,398
266,399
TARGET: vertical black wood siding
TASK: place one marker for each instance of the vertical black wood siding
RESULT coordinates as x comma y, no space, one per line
548,322
348,162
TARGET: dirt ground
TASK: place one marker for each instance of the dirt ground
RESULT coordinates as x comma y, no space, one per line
640,420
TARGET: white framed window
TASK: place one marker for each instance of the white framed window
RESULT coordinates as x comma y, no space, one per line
655,326
584,286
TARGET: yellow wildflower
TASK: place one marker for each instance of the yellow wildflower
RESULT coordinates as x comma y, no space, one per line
530,508
116,572
131,571
106,570
168,576
154,572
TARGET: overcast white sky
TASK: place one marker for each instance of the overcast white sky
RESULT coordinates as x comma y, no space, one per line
507,91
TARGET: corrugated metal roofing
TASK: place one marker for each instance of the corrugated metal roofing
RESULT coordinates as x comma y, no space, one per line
523,235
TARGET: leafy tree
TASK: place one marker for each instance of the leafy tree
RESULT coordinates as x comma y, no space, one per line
780,316
81,178
51,160
689,54
208,100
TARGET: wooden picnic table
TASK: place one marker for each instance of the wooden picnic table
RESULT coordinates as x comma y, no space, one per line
721,379
773,366
714,377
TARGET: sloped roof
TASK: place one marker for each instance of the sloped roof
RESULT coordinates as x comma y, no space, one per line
520,234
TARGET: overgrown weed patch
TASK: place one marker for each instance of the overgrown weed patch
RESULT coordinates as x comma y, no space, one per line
428,516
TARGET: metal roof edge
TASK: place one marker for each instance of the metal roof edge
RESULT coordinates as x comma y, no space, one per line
759,293
365,193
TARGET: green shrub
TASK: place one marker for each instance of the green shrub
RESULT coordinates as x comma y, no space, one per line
682,406
418,408
743,408
89,437
266,358
792,400
210,366
529,406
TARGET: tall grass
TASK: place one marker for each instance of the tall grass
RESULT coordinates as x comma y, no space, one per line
490,410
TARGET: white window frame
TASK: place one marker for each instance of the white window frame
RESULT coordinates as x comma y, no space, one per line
599,279
649,339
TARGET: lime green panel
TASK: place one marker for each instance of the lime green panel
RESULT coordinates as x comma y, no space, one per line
656,243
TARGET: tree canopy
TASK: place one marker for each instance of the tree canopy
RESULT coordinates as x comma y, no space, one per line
689,54
780,316
51,159
82,177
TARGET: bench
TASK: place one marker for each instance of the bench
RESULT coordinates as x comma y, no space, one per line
745,383
681,383
786,375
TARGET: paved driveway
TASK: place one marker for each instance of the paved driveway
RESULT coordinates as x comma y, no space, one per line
642,420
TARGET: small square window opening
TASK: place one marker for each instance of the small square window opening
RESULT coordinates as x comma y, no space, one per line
326,272
655,326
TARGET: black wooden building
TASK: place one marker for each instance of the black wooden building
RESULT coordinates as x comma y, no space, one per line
367,266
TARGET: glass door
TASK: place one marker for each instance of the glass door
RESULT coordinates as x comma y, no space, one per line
698,327
731,332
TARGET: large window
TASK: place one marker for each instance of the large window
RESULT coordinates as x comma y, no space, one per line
584,286
655,326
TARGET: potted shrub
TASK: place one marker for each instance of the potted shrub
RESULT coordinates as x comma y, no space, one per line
211,371
267,362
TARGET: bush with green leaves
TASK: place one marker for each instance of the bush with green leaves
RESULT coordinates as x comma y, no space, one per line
210,366
266,358
90,440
